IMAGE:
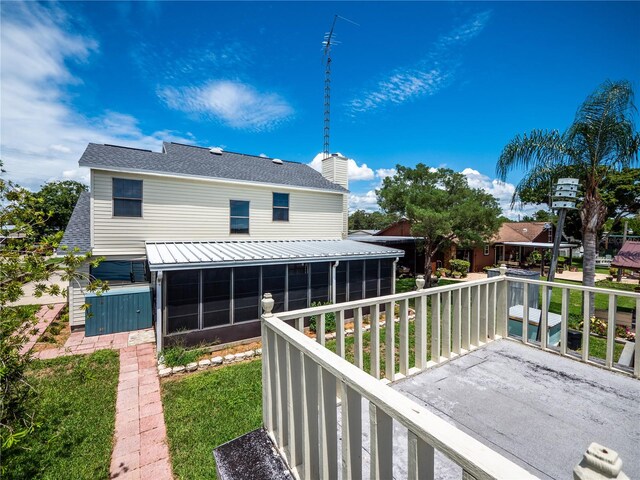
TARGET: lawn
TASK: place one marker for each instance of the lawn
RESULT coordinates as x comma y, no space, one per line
207,409
75,412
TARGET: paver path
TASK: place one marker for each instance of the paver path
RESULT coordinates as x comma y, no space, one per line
45,316
141,450
78,344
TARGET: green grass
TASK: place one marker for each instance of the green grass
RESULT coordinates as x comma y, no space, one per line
625,304
75,411
207,409
577,262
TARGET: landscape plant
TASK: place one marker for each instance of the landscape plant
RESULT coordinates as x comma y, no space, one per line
460,266
601,141
329,319
22,259
441,208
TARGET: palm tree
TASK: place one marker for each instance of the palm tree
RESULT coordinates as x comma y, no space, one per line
601,139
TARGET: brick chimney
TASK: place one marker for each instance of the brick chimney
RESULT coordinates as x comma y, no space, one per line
335,168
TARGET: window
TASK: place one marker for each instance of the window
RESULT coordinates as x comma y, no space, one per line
486,250
183,292
371,278
320,282
246,294
355,280
274,280
239,210
280,207
127,197
121,271
216,296
298,286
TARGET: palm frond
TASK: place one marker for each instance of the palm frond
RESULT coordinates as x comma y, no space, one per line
533,151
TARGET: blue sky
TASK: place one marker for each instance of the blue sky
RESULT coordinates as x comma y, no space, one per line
446,84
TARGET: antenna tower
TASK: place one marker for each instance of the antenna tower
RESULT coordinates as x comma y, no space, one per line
328,42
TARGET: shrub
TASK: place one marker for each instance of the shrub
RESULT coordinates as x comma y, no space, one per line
461,266
329,319
443,272
534,257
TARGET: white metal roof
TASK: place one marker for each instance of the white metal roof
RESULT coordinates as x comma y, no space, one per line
539,244
186,255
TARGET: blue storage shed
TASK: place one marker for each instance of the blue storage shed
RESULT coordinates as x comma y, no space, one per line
119,310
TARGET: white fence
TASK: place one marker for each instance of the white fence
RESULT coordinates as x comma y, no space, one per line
302,379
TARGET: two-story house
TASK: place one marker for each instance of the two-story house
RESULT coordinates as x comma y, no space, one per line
203,233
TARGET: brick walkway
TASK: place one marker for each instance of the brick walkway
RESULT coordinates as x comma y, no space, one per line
46,315
78,344
141,450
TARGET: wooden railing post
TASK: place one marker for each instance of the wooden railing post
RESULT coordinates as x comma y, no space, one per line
267,421
421,458
404,337
381,439
390,342
374,340
502,307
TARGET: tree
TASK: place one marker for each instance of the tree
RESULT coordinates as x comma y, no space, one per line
441,208
57,200
620,192
602,139
23,259
361,220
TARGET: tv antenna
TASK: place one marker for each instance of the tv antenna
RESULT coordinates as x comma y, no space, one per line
328,42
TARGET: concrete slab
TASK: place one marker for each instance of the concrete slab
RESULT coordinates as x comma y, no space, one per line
538,409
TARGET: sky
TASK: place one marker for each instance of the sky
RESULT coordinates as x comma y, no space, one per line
446,84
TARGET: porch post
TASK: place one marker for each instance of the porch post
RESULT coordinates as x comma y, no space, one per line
502,307
334,283
393,280
159,312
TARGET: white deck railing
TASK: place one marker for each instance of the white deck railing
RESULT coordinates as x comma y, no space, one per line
302,379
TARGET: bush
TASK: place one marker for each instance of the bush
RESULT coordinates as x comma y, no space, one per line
443,272
461,266
534,257
329,319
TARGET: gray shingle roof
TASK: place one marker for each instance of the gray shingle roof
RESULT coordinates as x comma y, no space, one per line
77,233
197,161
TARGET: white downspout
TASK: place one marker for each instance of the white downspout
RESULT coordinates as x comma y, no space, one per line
159,311
334,283
393,282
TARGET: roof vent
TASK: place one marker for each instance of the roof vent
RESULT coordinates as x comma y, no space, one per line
525,230
277,160
215,150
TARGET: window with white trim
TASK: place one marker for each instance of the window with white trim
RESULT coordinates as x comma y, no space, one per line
239,216
127,197
280,207
486,250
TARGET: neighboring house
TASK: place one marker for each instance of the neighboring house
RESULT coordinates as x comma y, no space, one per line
203,233
513,243
398,235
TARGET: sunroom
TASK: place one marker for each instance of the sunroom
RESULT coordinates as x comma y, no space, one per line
211,291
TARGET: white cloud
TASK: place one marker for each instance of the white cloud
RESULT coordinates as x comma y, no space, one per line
356,172
383,173
502,191
42,137
366,201
428,76
235,104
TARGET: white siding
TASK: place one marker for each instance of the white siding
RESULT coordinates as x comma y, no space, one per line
177,209
76,297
